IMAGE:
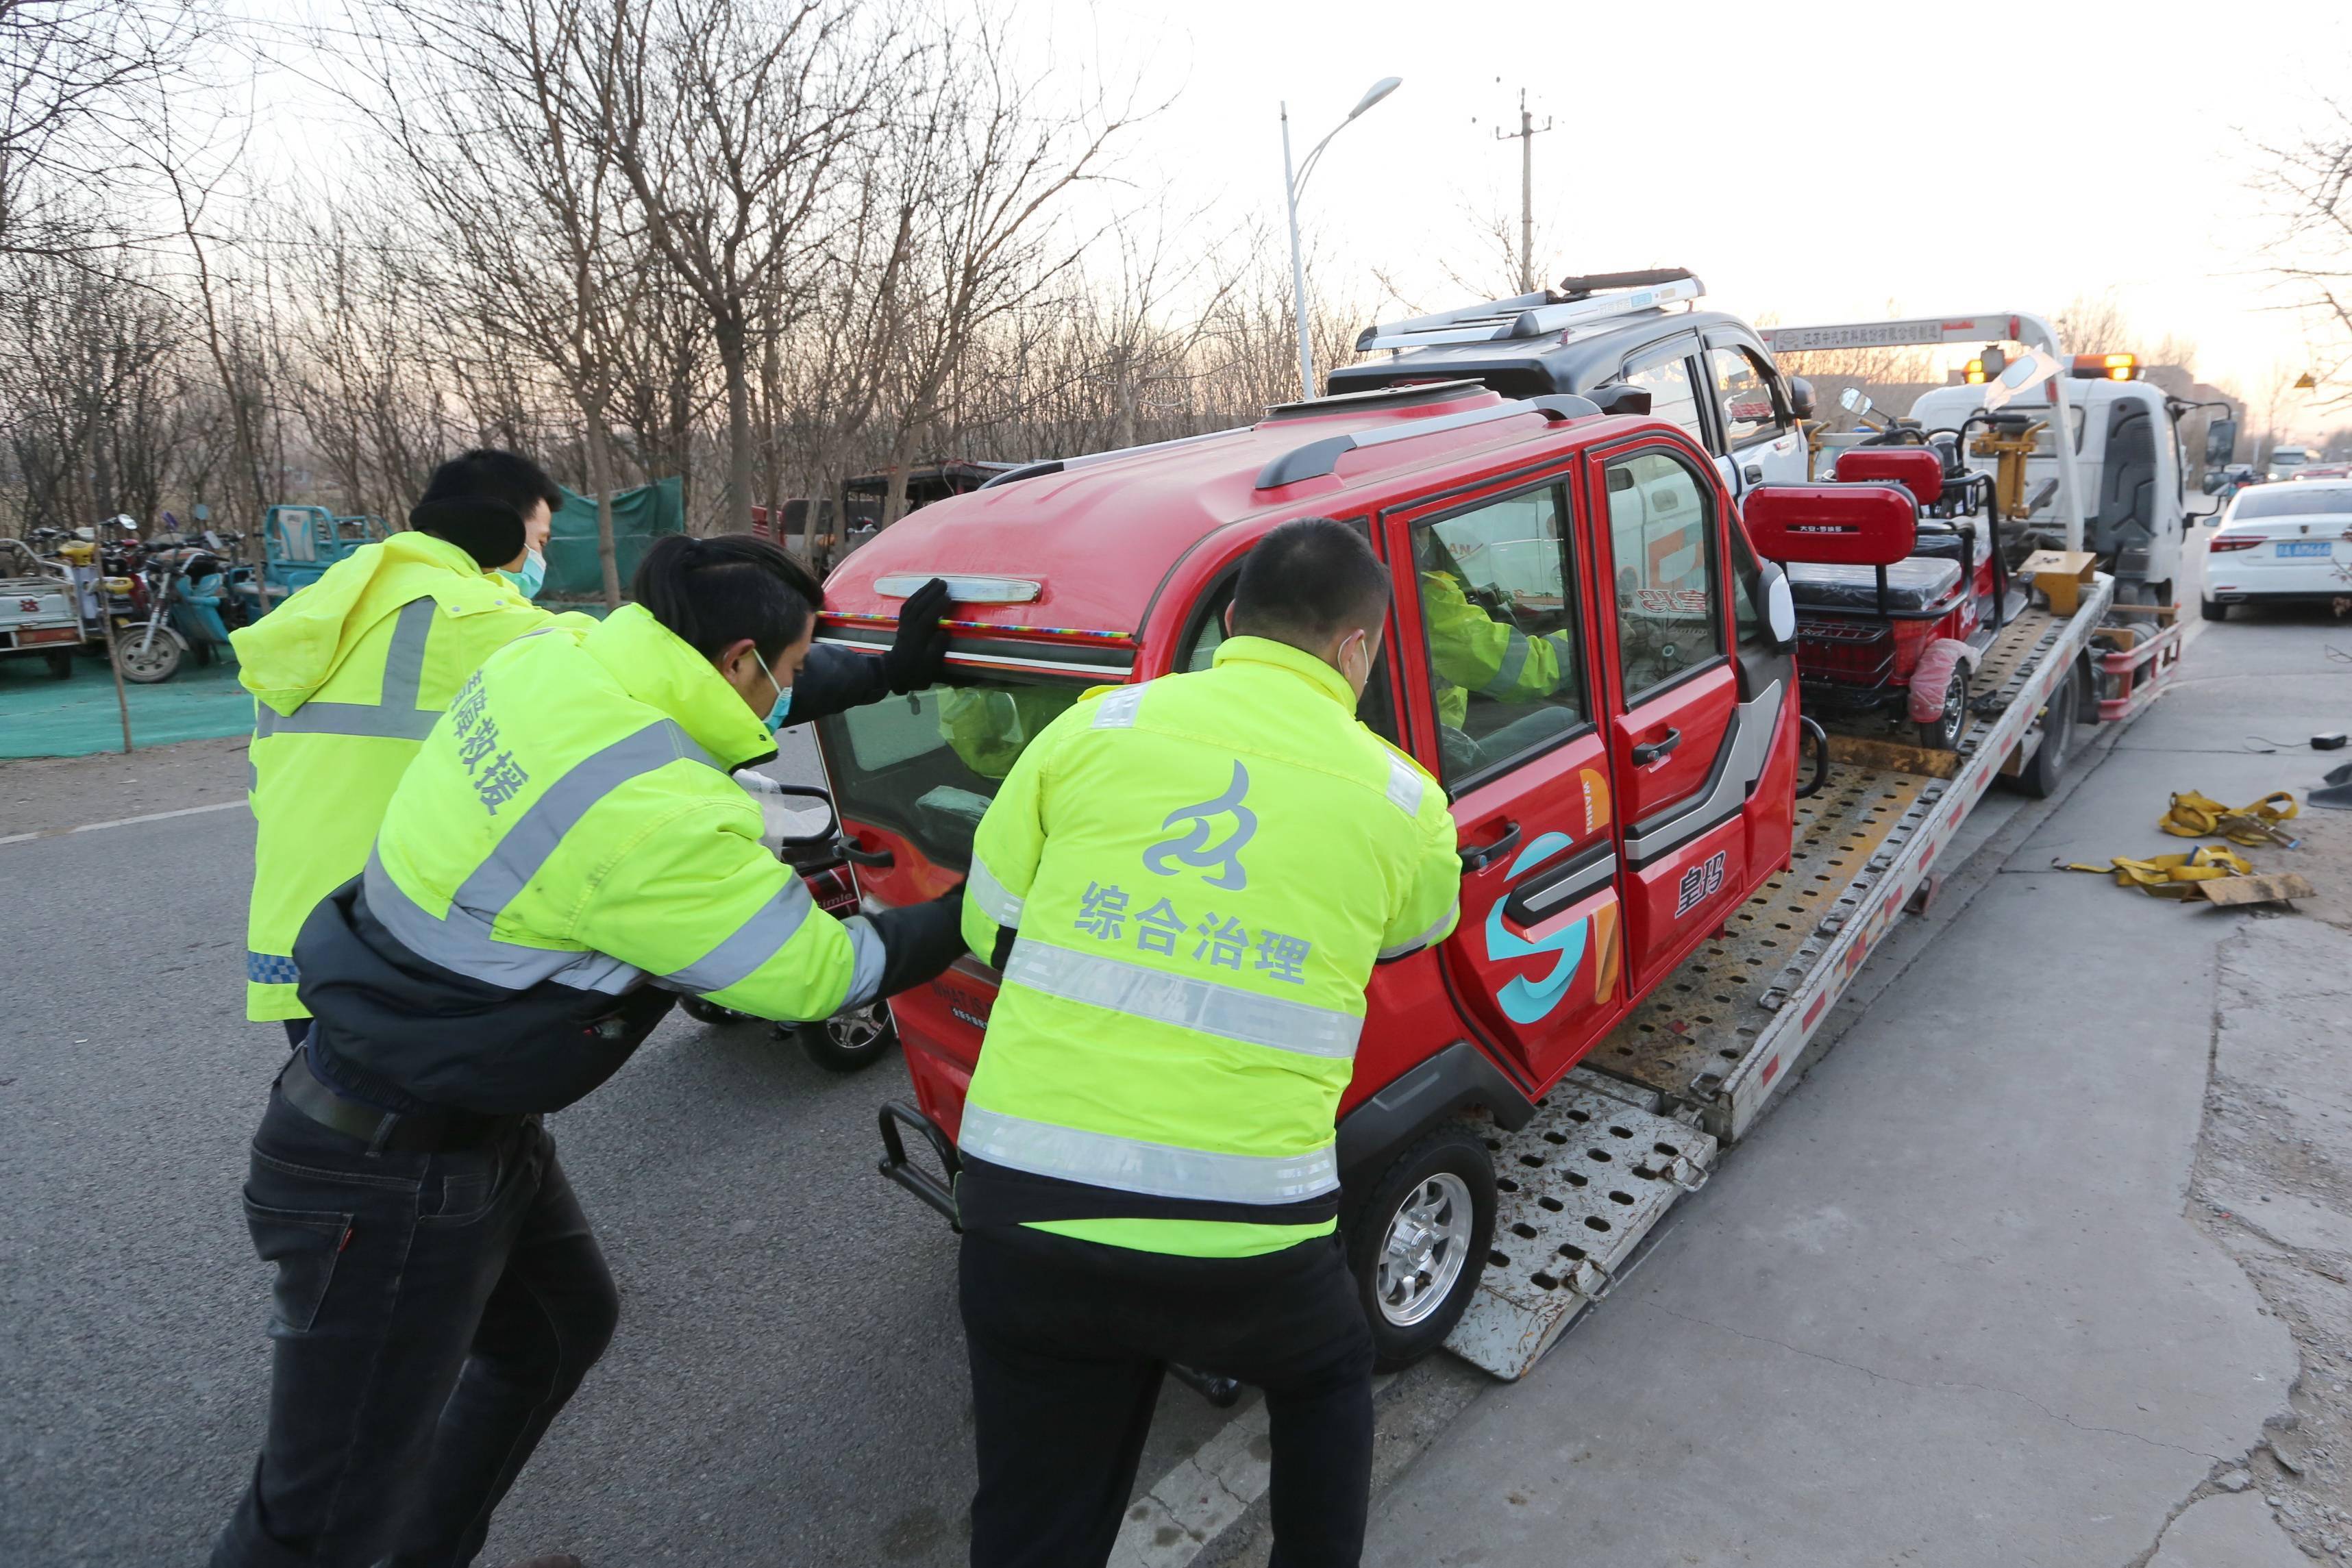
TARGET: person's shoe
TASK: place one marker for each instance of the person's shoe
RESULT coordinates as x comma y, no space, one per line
549,1560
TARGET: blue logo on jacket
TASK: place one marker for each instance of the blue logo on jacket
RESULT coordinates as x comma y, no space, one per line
1193,846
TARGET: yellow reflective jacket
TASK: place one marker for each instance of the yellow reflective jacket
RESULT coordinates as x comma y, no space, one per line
567,846
348,675
1472,652
1199,874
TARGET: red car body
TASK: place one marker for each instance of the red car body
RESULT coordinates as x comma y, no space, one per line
1598,858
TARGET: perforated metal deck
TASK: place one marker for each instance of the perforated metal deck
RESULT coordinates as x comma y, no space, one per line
1579,1187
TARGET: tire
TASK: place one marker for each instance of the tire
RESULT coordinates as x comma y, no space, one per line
160,662
2213,609
2041,776
60,665
1414,1293
1942,732
851,1040
704,1010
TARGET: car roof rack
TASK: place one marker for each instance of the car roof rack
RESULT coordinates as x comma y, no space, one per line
1577,302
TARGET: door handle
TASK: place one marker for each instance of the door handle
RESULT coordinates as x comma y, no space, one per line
1485,855
1651,750
1755,472
857,853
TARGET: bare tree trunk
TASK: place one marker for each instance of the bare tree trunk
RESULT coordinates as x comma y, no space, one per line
598,444
734,356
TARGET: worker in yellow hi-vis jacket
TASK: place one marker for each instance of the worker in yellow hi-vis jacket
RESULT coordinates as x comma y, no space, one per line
1186,883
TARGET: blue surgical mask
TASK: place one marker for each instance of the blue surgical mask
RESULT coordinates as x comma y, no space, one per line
777,715
532,576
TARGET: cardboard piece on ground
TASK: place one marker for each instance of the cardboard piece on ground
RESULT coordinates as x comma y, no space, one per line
2062,575
2268,888
1921,760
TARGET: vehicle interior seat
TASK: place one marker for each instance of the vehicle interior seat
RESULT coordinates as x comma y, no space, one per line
1915,585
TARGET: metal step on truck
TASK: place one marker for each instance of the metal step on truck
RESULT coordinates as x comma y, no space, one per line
1596,655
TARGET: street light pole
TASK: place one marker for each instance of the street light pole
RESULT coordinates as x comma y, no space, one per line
1292,184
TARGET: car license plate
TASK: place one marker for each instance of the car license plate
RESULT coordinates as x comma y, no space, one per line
2306,547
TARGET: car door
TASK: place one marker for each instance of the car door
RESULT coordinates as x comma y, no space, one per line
1759,441
1496,615
1669,373
1684,752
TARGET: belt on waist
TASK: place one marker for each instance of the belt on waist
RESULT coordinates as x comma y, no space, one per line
389,1130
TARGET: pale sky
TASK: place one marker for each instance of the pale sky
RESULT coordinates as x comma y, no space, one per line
1816,164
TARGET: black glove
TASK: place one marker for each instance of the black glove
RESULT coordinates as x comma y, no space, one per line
921,647
919,941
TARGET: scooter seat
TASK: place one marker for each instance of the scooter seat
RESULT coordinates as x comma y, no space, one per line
1914,585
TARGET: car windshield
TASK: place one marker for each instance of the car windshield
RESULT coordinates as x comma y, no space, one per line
927,765
2290,501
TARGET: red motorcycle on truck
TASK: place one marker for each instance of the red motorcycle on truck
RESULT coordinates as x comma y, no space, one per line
1612,817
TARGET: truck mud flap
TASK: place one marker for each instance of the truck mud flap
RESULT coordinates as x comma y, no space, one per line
1579,1188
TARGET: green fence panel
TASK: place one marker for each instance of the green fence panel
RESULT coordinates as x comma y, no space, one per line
639,517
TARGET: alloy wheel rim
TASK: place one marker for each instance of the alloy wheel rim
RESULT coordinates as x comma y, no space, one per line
1427,1245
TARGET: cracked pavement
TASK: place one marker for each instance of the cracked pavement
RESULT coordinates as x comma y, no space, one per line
1984,1289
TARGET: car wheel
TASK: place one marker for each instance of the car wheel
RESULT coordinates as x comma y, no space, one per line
852,1040
1417,1241
2213,609
2049,765
60,666
704,1010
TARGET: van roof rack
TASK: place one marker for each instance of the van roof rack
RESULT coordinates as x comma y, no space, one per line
1575,303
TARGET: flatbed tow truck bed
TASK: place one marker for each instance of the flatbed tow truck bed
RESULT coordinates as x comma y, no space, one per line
1644,1117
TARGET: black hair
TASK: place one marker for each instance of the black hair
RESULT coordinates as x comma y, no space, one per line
714,593
478,500
1309,580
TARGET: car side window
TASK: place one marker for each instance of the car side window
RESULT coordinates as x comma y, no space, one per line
1666,378
1377,708
1506,657
1668,574
1743,392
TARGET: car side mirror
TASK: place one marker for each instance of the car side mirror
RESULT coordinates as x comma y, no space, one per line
1780,604
1800,397
2220,441
1832,525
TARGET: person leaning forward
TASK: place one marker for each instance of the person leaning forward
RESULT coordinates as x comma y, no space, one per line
565,854
348,676
1186,884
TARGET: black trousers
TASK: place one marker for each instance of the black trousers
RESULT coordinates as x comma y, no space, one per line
431,1314
1068,1342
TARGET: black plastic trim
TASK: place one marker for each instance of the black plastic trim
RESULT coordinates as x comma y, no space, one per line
1026,471
1561,885
1455,1079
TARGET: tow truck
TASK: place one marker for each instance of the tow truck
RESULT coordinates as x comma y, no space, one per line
1661,899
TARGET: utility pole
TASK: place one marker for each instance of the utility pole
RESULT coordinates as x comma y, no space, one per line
1526,136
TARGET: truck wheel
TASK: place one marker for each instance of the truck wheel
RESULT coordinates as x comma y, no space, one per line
60,666
702,1009
850,1040
1418,1242
2049,765
2213,609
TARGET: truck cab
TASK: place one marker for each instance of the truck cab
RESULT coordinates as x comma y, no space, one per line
2127,455
1615,807
1704,371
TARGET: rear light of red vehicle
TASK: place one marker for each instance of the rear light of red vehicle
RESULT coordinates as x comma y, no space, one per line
2237,541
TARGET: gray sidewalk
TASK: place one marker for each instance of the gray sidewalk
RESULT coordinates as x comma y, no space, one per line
1949,1305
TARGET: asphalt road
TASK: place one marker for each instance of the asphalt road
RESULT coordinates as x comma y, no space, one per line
788,1383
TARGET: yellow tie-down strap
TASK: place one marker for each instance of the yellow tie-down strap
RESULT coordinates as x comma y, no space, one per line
2170,877
2196,816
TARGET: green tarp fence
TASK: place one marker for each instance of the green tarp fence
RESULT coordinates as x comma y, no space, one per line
639,517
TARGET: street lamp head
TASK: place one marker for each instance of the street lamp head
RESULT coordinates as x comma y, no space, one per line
1374,93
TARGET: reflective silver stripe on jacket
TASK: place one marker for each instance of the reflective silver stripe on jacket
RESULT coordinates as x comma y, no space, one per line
749,945
1514,663
1416,943
867,955
462,940
995,901
1404,786
1119,986
1118,709
1131,1164
396,718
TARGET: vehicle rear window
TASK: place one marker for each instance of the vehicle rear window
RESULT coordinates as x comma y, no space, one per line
2299,500
928,764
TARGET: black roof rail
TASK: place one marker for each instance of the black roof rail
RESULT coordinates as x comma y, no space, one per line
1318,458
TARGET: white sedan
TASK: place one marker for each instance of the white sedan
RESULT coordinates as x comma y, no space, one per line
2282,544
